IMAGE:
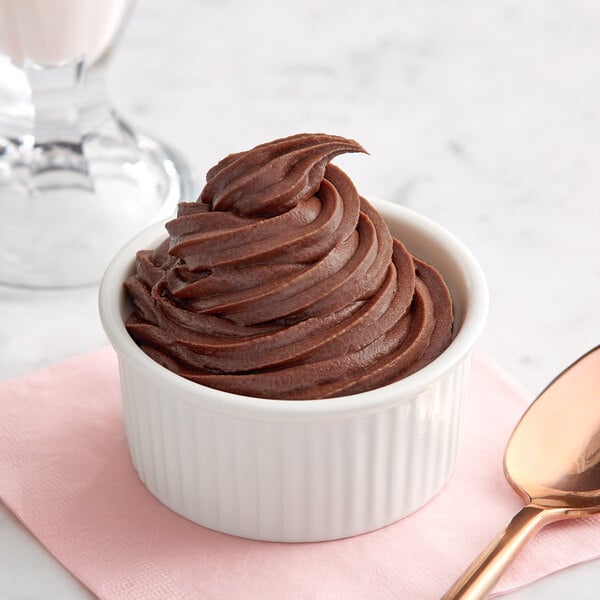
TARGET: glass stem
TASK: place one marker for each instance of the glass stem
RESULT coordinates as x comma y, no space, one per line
56,96
56,140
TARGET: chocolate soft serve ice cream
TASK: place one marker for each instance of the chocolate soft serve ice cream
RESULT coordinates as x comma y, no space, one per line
282,282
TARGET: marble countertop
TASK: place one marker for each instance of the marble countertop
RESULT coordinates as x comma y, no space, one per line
484,116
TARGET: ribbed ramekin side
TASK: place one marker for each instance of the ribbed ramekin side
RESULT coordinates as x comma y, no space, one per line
381,466
307,480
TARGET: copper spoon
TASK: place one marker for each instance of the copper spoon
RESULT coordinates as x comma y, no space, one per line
553,461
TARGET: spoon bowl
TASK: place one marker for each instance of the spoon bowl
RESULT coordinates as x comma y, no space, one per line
553,456
553,461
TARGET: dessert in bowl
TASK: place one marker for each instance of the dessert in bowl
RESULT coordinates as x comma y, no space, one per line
304,390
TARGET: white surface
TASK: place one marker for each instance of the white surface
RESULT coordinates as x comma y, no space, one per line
484,116
408,430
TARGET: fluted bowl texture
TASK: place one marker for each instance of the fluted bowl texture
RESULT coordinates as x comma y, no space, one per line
311,470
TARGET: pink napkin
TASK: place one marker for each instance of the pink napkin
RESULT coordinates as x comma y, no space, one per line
66,474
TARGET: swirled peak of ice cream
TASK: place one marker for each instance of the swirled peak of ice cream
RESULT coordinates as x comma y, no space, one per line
282,282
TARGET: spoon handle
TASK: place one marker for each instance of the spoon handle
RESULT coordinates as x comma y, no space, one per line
487,568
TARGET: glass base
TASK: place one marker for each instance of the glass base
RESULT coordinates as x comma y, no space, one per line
67,207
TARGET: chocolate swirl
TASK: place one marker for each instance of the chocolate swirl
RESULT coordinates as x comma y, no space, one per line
282,282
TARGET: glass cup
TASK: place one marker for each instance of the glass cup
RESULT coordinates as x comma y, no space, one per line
76,181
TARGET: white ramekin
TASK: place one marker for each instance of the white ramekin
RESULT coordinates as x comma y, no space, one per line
306,470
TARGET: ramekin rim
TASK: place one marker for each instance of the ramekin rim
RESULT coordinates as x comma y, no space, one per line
222,401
